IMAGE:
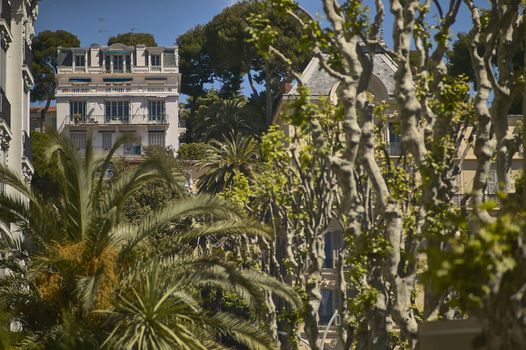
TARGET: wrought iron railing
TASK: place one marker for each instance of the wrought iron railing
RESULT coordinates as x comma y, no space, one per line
465,199
5,108
108,119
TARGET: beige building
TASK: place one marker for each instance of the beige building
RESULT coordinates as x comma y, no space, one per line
107,91
16,32
49,123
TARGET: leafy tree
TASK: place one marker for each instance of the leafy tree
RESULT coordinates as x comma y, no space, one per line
236,155
132,39
217,116
221,52
390,210
46,172
85,281
192,151
44,65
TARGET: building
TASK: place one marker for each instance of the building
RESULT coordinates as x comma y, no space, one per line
107,91
16,32
50,122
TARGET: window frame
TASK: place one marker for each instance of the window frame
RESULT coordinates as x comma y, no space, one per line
156,138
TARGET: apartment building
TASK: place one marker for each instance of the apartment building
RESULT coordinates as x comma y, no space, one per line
107,91
16,32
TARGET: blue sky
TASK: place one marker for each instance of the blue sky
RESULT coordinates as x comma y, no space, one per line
94,21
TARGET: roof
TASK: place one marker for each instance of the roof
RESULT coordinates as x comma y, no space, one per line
320,83
38,109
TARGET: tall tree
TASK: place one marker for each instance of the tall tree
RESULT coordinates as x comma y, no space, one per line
132,39
44,66
221,52
216,117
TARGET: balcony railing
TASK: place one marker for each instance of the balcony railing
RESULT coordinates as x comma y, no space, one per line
457,199
5,108
6,12
107,119
111,90
28,55
28,149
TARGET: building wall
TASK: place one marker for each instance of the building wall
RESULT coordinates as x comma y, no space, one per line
17,81
137,85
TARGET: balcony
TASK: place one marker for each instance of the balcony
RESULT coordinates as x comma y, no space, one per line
5,109
468,203
28,55
5,121
27,147
27,157
115,120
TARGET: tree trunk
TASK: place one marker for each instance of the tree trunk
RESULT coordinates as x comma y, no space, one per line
43,112
268,95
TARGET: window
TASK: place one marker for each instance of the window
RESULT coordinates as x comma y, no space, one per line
156,138
156,60
80,60
128,63
131,149
117,111
394,139
107,142
78,138
77,109
326,306
329,262
118,66
156,110
492,187
107,63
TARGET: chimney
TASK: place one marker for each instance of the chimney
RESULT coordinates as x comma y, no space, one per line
287,83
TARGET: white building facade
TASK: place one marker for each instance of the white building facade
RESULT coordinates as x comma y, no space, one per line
16,32
106,91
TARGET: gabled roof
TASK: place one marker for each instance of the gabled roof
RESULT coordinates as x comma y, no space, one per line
320,83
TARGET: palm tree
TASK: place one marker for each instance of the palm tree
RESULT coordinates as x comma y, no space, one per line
216,116
83,264
237,154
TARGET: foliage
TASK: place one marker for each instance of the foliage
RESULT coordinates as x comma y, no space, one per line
133,39
215,117
192,151
44,66
220,52
46,172
223,161
85,282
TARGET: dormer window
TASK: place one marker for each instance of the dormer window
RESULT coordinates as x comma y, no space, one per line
80,60
156,62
